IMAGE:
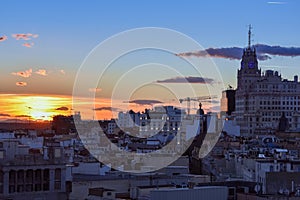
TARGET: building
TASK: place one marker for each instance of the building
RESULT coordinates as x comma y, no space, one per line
262,98
128,119
25,172
205,192
276,174
228,101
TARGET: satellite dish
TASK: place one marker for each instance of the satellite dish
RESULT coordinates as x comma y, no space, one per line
257,188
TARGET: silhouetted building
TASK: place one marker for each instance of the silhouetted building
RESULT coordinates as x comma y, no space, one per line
228,101
65,124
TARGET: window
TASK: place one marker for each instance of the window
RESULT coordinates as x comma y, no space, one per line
46,179
57,177
1,154
1,181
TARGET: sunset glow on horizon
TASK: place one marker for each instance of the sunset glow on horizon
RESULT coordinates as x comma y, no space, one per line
33,107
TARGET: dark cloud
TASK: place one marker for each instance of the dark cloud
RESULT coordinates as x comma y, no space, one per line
277,50
264,52
230,53
4,115
22,116
189,79
107,108
144,101
63,108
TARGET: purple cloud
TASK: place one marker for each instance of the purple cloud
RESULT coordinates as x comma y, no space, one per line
188,79
144,101
264,52
107,108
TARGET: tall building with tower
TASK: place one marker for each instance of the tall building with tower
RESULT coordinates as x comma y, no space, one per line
263,98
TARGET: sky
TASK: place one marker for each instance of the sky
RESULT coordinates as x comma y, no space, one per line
44,44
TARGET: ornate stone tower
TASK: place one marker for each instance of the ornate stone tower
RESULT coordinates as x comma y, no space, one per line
249,67
247,77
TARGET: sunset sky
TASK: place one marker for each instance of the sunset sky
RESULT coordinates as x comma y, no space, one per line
44,43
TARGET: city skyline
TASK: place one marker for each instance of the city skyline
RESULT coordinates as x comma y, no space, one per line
42,52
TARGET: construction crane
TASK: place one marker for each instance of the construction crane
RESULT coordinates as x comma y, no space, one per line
198,99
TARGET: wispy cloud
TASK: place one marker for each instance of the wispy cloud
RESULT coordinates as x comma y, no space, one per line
24,36
277,2
41,72
63,108
21,84
28,45
144,101
95,89
107,108
264,52
3,38
24,74
188,79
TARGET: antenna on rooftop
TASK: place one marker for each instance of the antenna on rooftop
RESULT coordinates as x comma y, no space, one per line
249,36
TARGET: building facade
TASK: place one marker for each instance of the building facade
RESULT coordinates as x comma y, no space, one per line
263,98
25,172
228,102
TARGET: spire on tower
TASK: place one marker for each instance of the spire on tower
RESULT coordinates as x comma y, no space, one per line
249,36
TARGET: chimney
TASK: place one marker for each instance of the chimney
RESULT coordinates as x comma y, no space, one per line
295,78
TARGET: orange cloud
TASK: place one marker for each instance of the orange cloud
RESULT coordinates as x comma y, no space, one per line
28,45
3,38
21,84
62,71
95,89
41,72
24,74
24,36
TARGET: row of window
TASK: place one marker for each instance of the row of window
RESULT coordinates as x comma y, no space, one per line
279,102
30,180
